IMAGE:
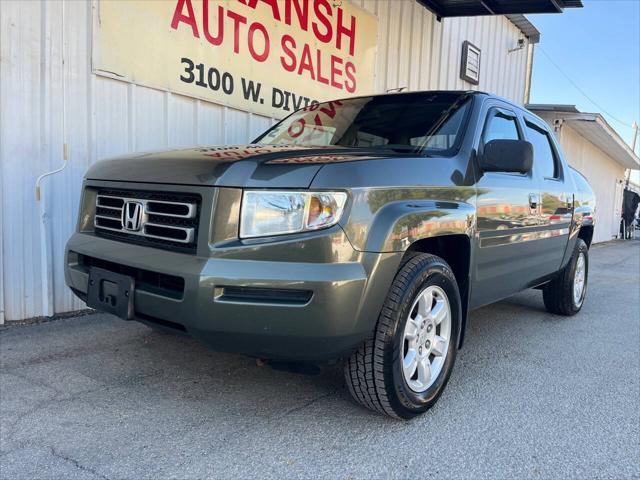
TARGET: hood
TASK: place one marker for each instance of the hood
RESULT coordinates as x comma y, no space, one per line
252,166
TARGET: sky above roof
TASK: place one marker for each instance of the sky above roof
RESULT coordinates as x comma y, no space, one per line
598,48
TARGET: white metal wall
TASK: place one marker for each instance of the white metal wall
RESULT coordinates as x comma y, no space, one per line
605,176
106,117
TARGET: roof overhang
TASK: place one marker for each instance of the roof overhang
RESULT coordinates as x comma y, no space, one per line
472,8
514,10
594,128
526,27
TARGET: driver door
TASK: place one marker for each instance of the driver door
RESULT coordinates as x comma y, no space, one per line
507,213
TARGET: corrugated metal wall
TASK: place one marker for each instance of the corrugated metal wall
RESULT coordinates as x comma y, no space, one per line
106,117
604,174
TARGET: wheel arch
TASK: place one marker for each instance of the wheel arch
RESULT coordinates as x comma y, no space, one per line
455,249
586,234
398,229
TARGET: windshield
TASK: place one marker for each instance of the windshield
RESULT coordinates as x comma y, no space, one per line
427,123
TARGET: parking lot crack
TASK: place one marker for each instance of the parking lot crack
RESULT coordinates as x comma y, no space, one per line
76,463
70,353
309,403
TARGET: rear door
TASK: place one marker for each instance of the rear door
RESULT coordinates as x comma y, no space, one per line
556,194
507,216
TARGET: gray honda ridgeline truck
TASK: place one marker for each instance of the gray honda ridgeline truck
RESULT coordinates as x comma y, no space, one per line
363,229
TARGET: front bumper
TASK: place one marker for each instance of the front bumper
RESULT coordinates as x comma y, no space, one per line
344,299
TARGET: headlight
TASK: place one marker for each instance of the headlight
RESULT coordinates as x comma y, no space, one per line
266,213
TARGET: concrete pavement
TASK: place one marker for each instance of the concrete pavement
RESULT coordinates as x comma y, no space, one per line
532,396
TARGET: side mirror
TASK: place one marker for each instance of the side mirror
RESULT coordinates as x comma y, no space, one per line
512,156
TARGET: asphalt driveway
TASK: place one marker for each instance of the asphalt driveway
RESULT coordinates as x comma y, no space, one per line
532,396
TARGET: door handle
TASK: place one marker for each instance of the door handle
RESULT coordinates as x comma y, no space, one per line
534,200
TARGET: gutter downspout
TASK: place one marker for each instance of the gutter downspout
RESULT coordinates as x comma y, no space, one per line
46,262
528,78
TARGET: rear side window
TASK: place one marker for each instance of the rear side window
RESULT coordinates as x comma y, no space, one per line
544,157
500,127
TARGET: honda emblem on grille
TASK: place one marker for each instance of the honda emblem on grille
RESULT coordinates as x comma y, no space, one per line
132,216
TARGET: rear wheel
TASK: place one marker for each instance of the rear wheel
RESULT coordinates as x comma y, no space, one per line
566,293
402,370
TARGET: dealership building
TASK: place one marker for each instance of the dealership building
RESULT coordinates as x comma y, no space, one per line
85,80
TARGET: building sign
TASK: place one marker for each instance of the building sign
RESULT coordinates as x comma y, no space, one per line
265,56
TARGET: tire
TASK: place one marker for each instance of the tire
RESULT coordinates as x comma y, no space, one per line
422,288
559,295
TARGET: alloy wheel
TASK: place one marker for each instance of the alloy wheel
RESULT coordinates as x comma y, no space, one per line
427,335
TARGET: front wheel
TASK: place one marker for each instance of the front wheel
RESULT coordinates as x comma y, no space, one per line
402,370
565,294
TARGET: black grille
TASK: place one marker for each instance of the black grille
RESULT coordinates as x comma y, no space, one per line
169,220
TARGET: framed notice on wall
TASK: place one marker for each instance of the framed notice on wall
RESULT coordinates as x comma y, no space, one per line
267,57
470,65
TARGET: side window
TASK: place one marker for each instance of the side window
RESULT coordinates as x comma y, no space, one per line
544,157
500,126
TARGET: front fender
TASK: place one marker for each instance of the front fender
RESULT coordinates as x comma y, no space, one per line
396,225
